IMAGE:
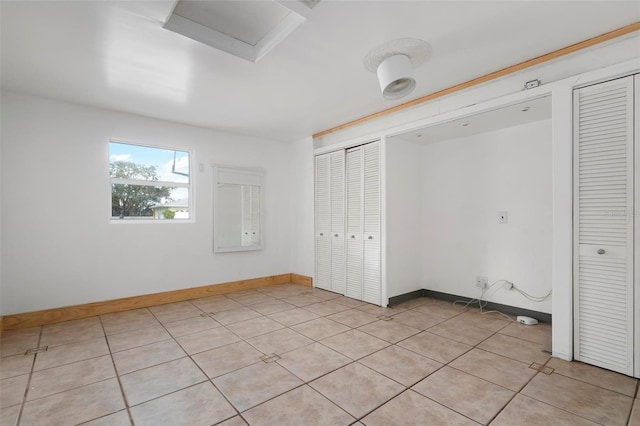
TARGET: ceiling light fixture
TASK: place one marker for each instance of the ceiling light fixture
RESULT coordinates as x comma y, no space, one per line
394,61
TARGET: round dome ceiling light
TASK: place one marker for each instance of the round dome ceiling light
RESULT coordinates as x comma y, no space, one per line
394,61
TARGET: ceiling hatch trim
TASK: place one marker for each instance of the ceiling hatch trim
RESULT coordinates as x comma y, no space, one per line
258,26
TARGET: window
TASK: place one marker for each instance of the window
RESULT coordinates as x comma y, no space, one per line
149,183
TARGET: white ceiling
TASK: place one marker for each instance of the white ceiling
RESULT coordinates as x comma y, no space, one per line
508,116
116,55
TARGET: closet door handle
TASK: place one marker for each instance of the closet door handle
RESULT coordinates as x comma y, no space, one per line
370,237
335,235
353,236
600,251
321,234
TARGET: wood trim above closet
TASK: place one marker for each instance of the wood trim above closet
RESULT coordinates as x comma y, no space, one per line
67,313
491,76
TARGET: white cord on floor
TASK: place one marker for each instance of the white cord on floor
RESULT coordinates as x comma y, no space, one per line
483,303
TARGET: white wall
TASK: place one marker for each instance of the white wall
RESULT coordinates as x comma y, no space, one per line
302,207
59,248
403,216
1,208
466,182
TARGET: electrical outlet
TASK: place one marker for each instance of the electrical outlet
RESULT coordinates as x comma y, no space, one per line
532,83
482,282
503,218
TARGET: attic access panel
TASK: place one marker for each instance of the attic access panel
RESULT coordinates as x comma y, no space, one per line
247,29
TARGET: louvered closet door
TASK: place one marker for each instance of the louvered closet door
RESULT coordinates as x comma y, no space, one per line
355,248
604,222
371,221
323,222
338,260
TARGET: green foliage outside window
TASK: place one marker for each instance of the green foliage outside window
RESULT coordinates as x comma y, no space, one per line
135,200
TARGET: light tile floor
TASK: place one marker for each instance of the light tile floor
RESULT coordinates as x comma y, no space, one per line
292,355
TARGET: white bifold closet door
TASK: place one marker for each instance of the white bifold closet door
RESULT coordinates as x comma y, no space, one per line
330,218
338,260
363,223
355,247
604,225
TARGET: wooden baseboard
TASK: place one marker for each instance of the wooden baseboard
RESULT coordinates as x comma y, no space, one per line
301,279
67,313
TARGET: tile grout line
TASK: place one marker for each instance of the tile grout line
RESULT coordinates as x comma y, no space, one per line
303,382
559,373
633,403
636,384
115,369
26,391
307,383
449,366
546,403
64,390
72,362
410,388
494,332
354,361
516,394
576,414
210,380
289,390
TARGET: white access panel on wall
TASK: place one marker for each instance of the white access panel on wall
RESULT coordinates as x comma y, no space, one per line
250,203
604,225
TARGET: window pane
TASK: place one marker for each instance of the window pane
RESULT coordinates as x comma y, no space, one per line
149,202
146,163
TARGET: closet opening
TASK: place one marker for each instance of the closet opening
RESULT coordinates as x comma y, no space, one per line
469,201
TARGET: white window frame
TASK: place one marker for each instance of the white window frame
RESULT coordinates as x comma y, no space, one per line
145,220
